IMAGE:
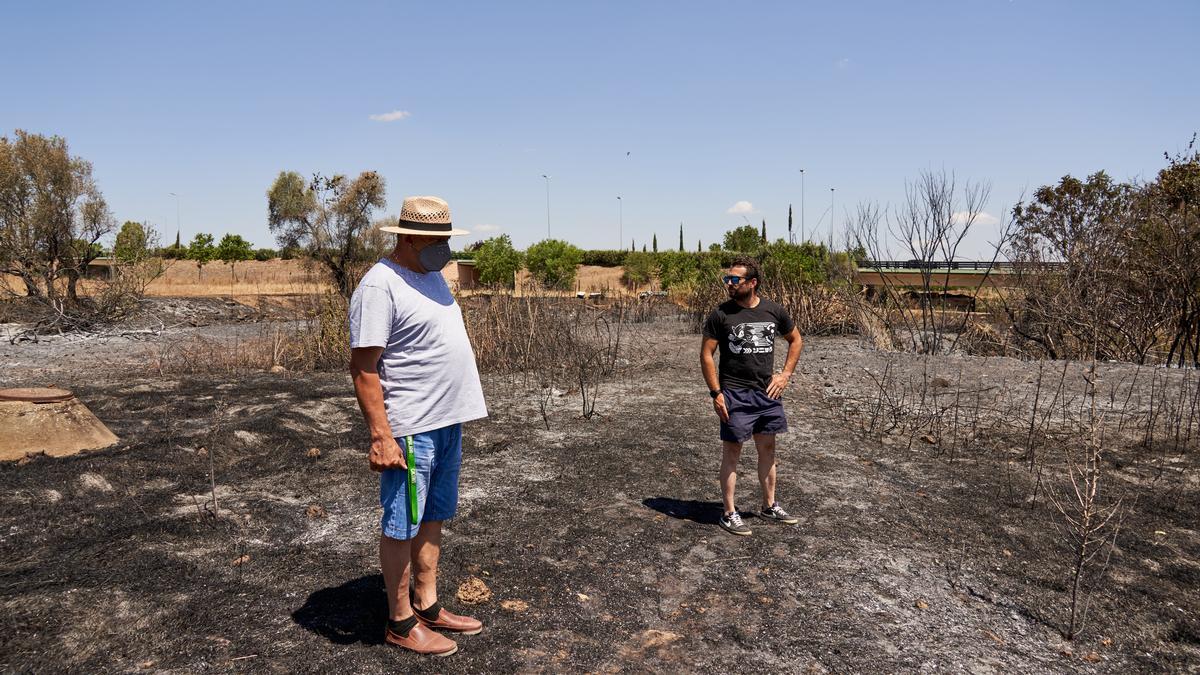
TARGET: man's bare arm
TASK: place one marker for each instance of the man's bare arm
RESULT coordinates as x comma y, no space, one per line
709,369
364,369
779,381
795,346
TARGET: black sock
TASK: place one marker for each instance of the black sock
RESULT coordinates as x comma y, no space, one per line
431,612
402,626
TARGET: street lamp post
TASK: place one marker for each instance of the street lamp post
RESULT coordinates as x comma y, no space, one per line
802,238
176,215
831,216
547,204
620,223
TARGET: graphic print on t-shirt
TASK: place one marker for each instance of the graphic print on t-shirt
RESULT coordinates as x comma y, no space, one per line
757,337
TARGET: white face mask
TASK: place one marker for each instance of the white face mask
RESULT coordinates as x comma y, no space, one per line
435,256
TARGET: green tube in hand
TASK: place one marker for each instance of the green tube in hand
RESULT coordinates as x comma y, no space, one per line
411,460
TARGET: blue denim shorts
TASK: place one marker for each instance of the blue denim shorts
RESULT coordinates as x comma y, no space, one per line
438,455
751,412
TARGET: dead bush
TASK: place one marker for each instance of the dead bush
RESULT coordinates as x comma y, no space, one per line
1059,441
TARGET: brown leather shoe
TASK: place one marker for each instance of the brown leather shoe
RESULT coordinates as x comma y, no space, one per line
423,641
447,620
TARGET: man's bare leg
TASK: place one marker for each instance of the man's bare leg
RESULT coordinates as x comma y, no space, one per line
730,452
765,444
394,555
426,549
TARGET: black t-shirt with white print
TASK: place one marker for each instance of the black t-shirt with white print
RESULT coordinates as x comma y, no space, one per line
747,340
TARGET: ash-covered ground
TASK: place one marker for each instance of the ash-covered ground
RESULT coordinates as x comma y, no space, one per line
596,538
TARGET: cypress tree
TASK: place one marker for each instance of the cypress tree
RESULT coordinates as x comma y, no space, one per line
789,222
654,244
764,231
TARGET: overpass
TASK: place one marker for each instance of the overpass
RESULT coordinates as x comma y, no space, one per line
955,274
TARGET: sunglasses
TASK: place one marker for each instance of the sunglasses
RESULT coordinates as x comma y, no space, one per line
733,279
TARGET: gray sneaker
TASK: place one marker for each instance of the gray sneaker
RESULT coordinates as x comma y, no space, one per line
776,512
732,523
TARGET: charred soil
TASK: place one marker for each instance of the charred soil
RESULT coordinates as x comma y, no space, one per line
596,537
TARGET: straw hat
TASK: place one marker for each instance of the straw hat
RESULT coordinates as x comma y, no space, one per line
424,215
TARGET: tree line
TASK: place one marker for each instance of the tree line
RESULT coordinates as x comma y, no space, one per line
1126,284
1108,267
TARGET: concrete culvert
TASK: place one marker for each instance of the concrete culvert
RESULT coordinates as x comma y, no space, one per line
53,421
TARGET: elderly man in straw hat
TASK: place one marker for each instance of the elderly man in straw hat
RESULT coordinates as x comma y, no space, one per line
416,381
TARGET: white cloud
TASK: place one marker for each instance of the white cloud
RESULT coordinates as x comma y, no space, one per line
486,228
392,116
841,64
982,218
741,207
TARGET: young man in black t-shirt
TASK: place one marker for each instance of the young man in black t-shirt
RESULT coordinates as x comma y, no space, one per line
746,393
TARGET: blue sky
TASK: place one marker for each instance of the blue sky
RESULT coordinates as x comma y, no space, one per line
715,103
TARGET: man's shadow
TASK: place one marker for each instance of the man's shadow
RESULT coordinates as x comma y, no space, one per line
354,612
705,513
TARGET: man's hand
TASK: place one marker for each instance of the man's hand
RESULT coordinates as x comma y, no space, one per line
778,383
719,406
386,454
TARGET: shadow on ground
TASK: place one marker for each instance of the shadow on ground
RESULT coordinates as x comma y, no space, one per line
705,513
348,614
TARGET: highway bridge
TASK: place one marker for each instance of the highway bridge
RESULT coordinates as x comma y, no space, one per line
956,274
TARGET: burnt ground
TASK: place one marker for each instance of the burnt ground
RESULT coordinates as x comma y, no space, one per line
597,538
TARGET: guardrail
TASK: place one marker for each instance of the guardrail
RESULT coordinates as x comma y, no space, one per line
965,265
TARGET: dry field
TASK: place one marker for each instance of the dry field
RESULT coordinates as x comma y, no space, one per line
183,279
214,538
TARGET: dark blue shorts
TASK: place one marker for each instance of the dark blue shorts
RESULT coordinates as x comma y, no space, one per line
751,412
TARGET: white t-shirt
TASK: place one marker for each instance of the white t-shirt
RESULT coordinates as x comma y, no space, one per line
428,368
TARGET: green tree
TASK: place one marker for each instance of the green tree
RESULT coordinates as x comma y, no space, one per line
745,239
552,262
233,249
329,219
497,261
654,245
789,223
793,263
638,268
130,245
51,215
265,254
764,231
676,269
681,237
201,251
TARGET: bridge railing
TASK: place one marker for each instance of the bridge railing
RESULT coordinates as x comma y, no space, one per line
964,265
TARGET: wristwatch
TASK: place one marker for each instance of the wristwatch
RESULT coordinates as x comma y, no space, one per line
714,393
